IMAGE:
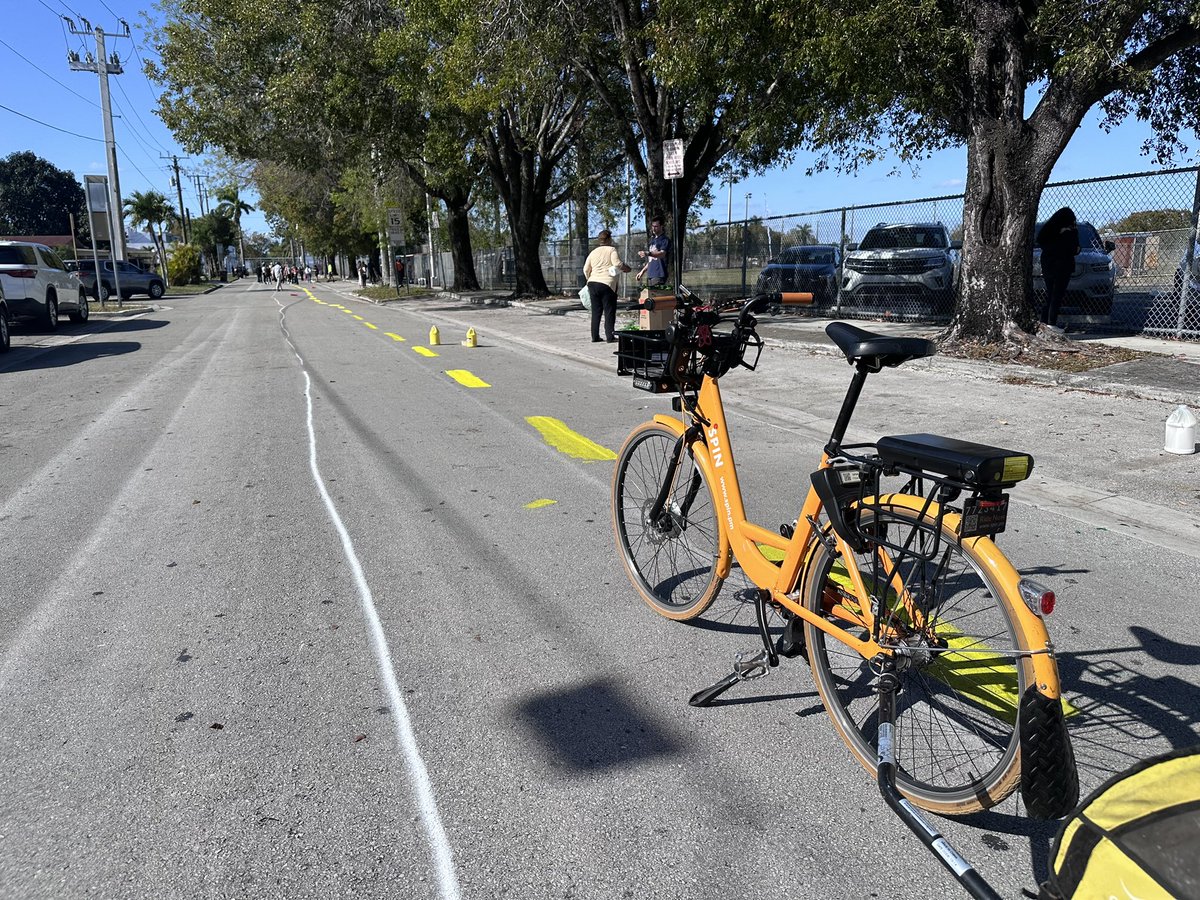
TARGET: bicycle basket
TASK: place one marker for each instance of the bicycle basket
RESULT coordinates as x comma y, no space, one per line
643,354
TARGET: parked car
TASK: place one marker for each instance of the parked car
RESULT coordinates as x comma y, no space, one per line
1093,283
37,286
5,338
917,261
813,268
133,279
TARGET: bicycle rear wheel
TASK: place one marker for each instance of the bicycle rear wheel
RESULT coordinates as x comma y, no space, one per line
959,664
672,561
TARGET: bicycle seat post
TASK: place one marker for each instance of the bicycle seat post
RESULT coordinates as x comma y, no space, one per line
833,448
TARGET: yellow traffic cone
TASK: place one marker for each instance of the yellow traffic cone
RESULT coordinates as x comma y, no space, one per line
472,338
434,338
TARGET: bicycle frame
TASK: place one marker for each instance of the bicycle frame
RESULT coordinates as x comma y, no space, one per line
742,540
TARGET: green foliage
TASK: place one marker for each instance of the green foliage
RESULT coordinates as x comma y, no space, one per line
1153,220
183,264
36,197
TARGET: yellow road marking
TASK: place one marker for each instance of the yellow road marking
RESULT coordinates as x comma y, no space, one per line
538,504
467,379
394,337
372,327
424,351
360,318
555,433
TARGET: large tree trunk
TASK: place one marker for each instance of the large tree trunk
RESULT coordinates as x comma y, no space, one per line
527,220
1009,160
459,226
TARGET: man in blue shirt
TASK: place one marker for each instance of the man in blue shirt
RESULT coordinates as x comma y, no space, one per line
658,257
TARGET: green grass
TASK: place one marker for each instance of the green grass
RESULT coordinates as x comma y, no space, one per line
383,292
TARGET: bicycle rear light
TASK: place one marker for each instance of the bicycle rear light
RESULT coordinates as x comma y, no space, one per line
1038,597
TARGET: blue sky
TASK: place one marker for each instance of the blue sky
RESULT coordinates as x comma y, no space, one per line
35,81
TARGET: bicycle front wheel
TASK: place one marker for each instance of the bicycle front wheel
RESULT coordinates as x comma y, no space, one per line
958,654
671,559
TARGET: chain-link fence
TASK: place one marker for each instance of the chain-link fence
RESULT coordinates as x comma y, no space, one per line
1138,270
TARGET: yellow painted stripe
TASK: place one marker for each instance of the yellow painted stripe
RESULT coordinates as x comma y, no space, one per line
394,337
360,318
372,327
555,433
466,379
538,504
424,351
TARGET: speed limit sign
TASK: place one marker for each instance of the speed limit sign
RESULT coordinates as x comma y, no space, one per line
395,225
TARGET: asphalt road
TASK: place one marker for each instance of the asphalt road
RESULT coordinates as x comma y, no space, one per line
285,613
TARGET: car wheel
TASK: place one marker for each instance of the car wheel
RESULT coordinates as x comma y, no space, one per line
82,311
105,293
50,317
5,337
156,290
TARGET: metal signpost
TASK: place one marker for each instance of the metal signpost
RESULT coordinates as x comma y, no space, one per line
395,231
673,171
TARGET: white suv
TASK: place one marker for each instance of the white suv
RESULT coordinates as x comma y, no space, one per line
894,262
38,286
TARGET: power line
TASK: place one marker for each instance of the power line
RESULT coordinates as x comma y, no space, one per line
48,75
48,125
141,121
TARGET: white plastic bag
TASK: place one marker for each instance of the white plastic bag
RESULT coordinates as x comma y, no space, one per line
585,297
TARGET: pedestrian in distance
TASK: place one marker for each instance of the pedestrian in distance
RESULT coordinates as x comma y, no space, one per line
1059,242
657,255
600,269
277,275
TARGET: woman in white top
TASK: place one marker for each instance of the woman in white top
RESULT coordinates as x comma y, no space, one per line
600,269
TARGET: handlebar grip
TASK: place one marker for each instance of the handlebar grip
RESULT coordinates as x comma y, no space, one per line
795,298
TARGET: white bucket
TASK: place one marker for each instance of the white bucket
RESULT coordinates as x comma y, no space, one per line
1181,431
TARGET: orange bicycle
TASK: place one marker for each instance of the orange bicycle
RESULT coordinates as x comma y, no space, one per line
927,646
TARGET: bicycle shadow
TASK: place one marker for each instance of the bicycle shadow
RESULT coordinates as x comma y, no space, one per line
1119,716
595,726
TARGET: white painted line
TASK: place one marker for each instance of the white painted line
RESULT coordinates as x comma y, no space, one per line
439,844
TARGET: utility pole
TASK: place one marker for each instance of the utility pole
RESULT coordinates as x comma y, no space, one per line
103,65
179,193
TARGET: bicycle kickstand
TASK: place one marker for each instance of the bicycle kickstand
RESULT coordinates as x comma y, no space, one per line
888,685
746,664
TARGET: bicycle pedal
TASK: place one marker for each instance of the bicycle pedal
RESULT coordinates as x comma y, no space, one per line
748,665
787,531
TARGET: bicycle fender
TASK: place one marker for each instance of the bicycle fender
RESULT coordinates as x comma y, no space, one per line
725,563
1033,629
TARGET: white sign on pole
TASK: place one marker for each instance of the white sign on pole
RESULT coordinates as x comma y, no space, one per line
673,158
395,225
96,191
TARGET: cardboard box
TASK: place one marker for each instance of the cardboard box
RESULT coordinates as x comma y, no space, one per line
663,313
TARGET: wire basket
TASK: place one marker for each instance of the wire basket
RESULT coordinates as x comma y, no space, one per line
643,354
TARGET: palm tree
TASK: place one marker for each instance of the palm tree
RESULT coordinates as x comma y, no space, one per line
152,210
231,204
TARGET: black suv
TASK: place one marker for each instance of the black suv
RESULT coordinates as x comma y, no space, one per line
134,280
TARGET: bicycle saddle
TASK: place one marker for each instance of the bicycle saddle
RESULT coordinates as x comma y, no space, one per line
877,350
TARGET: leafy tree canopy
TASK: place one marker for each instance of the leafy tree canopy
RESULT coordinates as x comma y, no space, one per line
1153,220
36,197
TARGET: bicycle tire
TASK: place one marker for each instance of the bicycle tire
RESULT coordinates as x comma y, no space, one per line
957,743
672,564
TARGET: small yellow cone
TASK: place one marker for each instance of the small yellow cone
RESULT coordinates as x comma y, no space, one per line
472,338
434,338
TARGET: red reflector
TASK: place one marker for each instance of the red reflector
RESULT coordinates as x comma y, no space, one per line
1047,603
22,273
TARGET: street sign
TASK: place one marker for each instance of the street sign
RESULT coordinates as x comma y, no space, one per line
673,158
395,225
96,192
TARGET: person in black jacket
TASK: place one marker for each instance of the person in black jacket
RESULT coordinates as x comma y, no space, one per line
1059,240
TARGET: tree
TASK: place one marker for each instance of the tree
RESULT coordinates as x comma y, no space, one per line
697,72
1011,81
231,205
211,232
1153,220
37,197
151,208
